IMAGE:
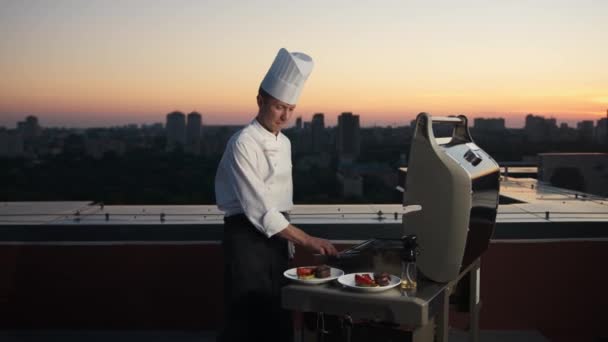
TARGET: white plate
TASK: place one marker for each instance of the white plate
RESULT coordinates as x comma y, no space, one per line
293,276
348,280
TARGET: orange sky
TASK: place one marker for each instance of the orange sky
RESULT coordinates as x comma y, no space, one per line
116,62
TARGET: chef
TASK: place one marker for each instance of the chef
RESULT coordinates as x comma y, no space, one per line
254,189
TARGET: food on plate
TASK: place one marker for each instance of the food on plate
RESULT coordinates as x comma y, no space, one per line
305,272
378,279
312,272
322,271
364,280
382,279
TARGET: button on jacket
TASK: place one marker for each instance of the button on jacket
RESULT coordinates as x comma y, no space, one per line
254,178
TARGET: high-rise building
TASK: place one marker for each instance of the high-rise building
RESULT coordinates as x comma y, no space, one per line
539,129
601,130
585,130
348,140
29,128
176,129
567,134
490,124
299,123
193,132
317,126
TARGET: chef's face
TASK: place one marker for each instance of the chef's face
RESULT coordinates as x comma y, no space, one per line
273,114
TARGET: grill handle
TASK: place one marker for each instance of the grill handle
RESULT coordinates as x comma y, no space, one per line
460,134
448,119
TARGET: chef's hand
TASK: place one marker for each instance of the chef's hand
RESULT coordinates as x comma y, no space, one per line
301,238
321,246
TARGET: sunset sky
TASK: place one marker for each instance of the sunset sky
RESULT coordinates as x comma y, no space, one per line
100,63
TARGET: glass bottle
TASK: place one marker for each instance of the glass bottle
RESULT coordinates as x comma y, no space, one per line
409,272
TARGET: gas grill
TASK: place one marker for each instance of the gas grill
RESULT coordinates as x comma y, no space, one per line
456,183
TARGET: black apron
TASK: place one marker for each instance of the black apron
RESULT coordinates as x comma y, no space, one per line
253,278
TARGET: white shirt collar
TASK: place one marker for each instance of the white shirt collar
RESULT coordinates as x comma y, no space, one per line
265,133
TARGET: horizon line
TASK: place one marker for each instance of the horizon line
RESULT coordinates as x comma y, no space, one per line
512,120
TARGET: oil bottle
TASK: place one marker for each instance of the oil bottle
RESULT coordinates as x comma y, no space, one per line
409,272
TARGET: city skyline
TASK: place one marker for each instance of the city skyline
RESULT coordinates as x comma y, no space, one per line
122,121
102,63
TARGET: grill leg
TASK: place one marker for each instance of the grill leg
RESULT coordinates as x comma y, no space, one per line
474,302
425,332
348,328
321,327
443,318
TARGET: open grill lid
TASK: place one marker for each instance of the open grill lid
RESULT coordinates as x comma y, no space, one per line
457,185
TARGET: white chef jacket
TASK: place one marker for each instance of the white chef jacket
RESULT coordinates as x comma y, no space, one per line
254,178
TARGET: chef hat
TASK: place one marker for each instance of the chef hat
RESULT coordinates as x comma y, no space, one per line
286,76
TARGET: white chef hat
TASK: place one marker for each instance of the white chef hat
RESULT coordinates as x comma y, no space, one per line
285,78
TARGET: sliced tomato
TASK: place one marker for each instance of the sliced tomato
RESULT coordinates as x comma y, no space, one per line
363,280
304,271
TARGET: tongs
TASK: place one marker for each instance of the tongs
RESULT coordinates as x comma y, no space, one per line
340,256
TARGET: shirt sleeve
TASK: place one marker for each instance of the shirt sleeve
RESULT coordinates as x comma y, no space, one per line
251,191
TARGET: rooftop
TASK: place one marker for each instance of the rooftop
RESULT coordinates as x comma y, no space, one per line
77,268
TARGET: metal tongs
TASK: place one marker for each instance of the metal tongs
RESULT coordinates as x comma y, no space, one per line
340,256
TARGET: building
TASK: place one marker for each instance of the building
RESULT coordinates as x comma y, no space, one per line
216,138
98,147
176,130
11,144
601,130
153,129
29,128
348,140
566,133
351,184
302,142
318,136
585,130
539,129
490,124
194,132
299,123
